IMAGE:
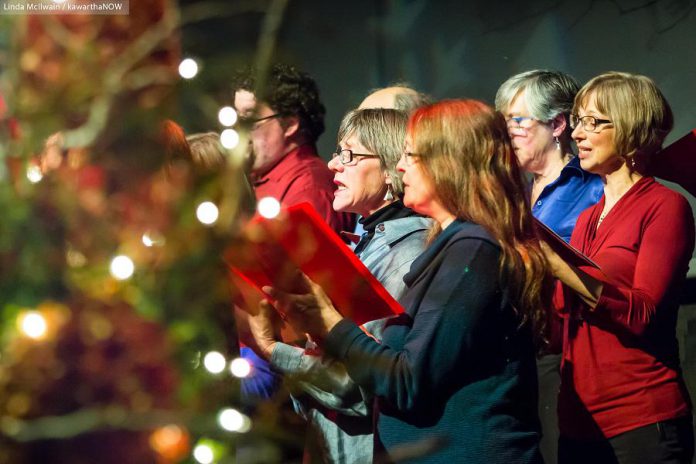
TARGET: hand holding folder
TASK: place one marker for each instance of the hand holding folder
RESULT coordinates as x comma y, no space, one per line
272,251
565,251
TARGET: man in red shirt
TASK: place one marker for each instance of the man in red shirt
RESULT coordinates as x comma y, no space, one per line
286,118
285,125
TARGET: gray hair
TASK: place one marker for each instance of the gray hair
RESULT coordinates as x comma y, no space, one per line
547,94
382,131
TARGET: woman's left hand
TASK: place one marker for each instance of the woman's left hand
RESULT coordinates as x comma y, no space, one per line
311,312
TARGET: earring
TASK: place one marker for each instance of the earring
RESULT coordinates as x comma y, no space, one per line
389,196
558,143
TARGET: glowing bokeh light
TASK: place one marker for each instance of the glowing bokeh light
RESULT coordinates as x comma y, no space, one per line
33,324
34,174
240,367
152,239
229,138
234,421
268,207
227,116
207,213
203,454
122,267
214,362
188,68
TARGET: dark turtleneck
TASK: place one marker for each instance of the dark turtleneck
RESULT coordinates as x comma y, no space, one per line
396,210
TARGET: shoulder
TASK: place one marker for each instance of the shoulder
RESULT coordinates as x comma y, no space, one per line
412,228
469,232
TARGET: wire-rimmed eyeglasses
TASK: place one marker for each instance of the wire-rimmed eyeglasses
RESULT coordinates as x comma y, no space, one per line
589,123
346,156
409,157
520,124
255,123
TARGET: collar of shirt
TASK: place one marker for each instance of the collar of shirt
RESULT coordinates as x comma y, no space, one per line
287,163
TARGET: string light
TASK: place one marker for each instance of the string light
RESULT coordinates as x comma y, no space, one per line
188,68
207,213
203,454
122,267
268,207
34,174
234,421
214,362
229,138
151,239
32,324
240,367
227,116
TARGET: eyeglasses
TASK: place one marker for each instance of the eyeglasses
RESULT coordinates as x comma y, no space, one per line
255,123
520,124
589,123
409,158
346,156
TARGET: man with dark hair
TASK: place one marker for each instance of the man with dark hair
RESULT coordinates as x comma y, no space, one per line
287,118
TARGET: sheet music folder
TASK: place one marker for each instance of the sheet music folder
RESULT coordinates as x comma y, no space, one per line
677,163
568,253
272,250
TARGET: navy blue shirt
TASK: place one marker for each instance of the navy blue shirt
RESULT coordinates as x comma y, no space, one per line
562,201
455,375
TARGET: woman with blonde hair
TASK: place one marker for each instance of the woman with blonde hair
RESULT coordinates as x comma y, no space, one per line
623,398
454,375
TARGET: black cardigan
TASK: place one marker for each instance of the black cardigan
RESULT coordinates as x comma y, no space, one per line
454,369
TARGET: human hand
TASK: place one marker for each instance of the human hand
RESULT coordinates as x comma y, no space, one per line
262,328
311,312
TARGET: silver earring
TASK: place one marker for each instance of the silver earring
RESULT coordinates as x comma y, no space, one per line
389,196
558,143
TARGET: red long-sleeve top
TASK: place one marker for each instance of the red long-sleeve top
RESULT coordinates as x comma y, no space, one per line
620,365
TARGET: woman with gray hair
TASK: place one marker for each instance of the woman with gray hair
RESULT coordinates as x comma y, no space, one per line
536,105
370,143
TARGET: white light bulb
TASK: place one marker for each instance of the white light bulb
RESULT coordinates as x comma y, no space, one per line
240,367
151,239
207,213
203,454
268,207
233,421
214,362
229,138
33,324
122,267
34,174
227,116
188,68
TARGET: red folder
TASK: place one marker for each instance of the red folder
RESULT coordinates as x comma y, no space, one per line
568,253
677,163
272,250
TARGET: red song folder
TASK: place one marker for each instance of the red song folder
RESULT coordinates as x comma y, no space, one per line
568,253
677,163
271,251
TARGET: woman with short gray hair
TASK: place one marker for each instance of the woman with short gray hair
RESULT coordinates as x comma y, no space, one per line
536,105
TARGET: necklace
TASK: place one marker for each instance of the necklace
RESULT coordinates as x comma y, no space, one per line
601,217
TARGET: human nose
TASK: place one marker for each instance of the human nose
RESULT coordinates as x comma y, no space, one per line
334,164
578,133
401,164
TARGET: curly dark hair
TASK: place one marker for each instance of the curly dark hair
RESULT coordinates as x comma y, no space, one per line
290,92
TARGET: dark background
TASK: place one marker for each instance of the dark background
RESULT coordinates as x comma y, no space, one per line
453,49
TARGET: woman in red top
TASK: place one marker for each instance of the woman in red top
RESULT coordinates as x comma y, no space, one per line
623,398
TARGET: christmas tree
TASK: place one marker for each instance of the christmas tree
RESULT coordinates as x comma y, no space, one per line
117,339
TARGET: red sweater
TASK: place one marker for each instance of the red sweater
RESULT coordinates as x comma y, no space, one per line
302,176
620,365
